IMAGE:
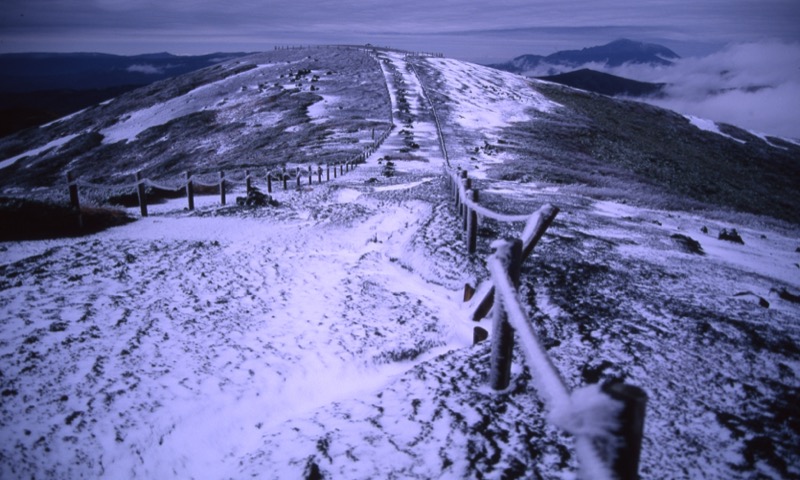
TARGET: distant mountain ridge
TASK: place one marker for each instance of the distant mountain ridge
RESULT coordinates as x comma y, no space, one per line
27,72
605,83
613,54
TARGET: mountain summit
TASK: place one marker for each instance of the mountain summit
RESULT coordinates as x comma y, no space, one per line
613,54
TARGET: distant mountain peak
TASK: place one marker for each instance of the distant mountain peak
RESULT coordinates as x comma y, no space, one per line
613,54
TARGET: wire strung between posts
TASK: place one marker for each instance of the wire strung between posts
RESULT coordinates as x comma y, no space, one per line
161,186
100,186
481,210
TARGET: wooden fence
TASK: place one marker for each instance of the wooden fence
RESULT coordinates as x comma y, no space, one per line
297,176
608,421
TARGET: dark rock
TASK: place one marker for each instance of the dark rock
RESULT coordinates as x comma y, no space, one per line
255,198
731,236
688,244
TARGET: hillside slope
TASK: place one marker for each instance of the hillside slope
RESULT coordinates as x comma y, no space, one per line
326,337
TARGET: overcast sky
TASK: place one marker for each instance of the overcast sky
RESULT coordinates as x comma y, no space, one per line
465,29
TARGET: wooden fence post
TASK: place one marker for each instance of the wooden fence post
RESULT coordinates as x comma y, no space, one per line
285,180
309,174
297,177
319,174
190,190
341,169
327,172
472,226
141,194
269,182
334,170
247,181
74,199
510,255
222,187
626,444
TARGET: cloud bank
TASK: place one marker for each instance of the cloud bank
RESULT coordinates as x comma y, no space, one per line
755,86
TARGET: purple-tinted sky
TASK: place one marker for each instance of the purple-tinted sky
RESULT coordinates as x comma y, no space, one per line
475,31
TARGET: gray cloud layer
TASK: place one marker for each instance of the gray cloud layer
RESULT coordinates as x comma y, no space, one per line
478,31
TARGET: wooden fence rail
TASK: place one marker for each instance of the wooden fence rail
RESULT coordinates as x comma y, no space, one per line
608,450
611,451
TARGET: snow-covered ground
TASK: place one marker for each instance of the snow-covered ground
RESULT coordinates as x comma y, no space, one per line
327,337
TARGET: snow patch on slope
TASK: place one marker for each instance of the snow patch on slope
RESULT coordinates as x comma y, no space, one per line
54,144
488,99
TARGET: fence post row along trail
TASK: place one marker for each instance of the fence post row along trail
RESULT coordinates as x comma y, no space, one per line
190,181
607,421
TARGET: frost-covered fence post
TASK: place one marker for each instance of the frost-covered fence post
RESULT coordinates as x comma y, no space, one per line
327,172
625,446
464,207
297,177
222,187
190,190
509,253
472,226
140,193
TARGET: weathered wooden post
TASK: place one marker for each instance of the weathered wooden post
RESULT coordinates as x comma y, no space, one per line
472,226
140,193
190,190
297,176
479,334
341,169
509,253
247,180
309,174
74,199
626,444
222,187
285,180
334,170
327,172
319,174
269,182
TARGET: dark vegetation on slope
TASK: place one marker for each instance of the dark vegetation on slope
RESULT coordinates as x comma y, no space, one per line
22,219
630,149
653,157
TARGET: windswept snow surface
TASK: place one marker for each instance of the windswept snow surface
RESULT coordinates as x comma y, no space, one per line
173,345
487,99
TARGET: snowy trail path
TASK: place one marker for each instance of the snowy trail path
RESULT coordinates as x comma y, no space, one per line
172,344
415,135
